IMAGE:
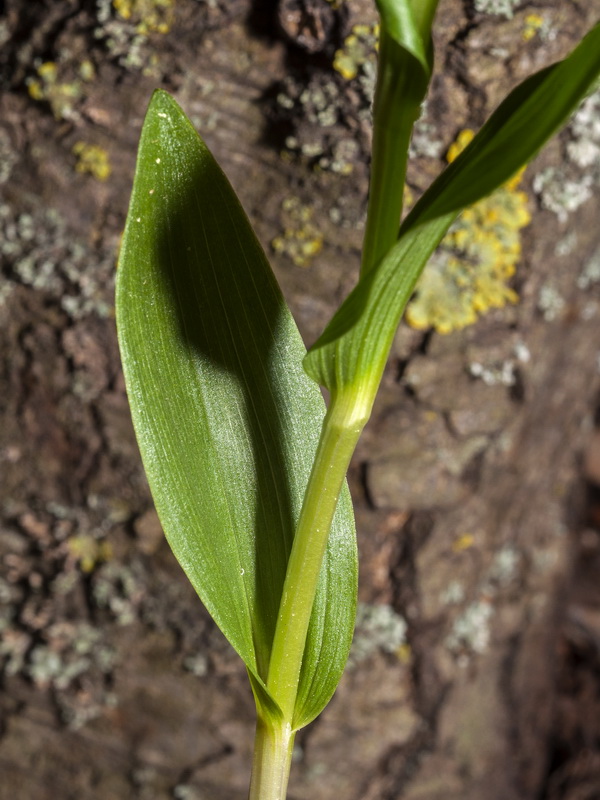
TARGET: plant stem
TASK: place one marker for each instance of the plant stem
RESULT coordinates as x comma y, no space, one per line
401,87
395,110
273,746
339,435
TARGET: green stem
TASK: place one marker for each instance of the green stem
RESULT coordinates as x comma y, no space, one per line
339,435
401,87
395,110
273,745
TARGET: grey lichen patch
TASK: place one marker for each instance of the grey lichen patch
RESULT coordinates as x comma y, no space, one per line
44,637
378,628
504,8
505,567
329,119
472,630
117,588
197,664
453,594
561,194
584,132
564,189
38,250
73,649
73,654
426,141
590,274
502,374
8,156
567,244
550,302
501,371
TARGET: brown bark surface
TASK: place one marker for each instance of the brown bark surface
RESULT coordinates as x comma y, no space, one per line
477,498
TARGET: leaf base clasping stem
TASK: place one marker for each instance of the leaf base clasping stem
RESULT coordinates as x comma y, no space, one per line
342,427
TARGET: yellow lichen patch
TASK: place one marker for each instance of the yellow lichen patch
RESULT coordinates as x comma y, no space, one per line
534,23
87,71
89,551
62,95
470,272
359,47
301,240
408,198
464,542
405,654
150,16
462,140
93,160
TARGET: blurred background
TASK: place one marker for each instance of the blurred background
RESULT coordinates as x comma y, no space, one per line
475,669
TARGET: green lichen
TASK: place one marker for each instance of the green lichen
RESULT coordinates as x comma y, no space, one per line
536,25
301,240
62,85
470,272
359,49
89,551
148,16
93,160
126,27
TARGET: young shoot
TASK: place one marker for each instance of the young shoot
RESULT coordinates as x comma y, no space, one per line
246,465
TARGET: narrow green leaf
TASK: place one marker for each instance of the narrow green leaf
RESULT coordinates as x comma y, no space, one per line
354,346
226,419
515,132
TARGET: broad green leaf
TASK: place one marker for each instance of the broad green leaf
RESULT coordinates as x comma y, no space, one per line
226,419
353,348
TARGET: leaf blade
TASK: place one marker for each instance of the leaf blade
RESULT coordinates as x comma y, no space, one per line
226,419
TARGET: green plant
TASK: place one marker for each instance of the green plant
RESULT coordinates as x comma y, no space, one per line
246,465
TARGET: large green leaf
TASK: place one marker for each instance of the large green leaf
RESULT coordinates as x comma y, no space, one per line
226,419
353,348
